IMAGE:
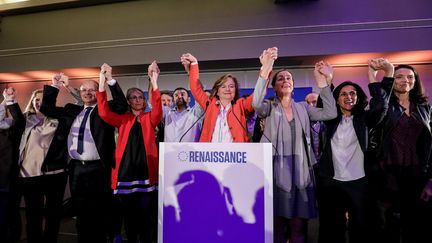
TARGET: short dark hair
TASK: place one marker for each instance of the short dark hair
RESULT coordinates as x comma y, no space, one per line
166,92
362,101
181,88
276,74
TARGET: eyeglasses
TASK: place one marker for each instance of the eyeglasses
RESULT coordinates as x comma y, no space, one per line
87,90
136,98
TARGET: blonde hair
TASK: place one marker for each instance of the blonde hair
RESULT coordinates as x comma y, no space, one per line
30,107
134,89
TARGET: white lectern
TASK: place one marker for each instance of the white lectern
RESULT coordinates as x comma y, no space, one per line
214,192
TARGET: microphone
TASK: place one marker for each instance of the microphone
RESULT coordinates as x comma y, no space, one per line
232,103
268,139
244,128
193,124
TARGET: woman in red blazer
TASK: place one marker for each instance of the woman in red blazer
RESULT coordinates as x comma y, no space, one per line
134,178
225,112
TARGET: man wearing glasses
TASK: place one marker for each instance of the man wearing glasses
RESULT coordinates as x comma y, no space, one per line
90,143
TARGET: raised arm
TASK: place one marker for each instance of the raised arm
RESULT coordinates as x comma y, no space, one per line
119,103
156,112
186,60
323,73
378,104
72,91
104,110
50,93
5,123
14,109
191,64
267,59
377,64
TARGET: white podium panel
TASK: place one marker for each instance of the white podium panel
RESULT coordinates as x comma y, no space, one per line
210,192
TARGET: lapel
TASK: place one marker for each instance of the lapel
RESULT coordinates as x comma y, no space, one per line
421,115
302,115
92,120
360,130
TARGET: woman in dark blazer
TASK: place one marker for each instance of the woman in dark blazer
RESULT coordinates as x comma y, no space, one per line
342,182
405,155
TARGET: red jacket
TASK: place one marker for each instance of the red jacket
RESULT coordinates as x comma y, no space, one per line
148,121
242,109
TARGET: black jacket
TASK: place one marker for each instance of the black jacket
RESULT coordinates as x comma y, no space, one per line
103,134
422,112
9,144
362,123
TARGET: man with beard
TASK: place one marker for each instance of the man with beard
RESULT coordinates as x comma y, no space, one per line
182,123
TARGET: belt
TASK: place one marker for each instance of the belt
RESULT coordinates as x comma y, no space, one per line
86,162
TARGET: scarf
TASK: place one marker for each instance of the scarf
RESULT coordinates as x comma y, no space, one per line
292,168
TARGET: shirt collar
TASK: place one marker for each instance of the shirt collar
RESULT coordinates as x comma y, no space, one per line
92,106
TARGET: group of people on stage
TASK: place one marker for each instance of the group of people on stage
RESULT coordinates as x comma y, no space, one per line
360,166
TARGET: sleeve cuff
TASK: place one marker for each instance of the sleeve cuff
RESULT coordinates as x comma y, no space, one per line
112,82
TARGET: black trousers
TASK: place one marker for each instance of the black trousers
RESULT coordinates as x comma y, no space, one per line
335,198
4,217
91,199
140,216
10,218
408,219
43,196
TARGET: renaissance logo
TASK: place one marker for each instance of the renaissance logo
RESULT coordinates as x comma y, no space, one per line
213,157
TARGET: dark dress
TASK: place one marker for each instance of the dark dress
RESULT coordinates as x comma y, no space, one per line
138,198
404,183
405,159
296,203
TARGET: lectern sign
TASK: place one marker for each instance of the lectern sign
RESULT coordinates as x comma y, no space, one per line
210,192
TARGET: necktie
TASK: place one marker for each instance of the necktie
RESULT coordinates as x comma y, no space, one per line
80,147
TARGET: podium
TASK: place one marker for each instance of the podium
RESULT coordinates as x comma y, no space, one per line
215,193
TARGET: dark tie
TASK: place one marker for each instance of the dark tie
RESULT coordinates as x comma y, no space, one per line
80,147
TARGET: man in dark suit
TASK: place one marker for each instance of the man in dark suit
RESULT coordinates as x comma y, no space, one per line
90,143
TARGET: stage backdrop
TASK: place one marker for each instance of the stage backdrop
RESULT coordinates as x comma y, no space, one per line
215,193
299,94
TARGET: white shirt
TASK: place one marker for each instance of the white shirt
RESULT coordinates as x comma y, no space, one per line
221,132
348,158
90,151
177,123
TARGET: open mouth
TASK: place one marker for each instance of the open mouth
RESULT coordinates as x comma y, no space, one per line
349,102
